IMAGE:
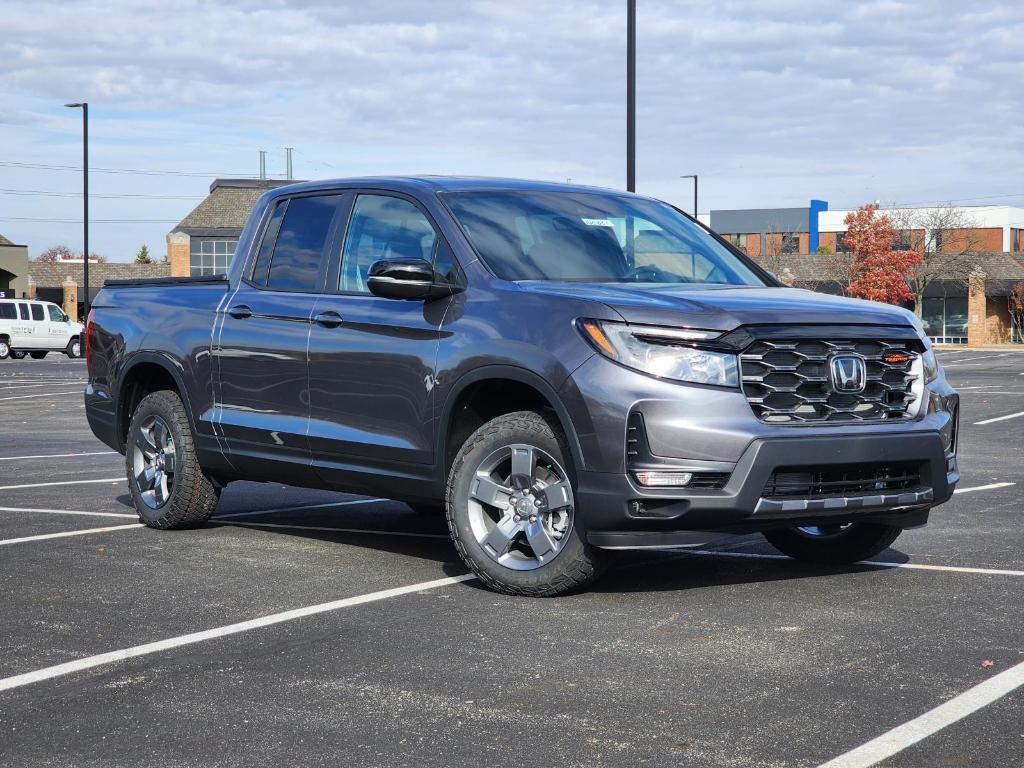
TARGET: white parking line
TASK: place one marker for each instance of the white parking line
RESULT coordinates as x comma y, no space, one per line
933,721
65,534
56,455
989,487
981,357
4,386
45,394
369,532
66,512
1000,418
59,670
63,482
875,563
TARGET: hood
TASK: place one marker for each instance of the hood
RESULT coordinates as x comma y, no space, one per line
723,308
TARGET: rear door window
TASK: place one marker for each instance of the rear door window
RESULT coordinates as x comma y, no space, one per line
37,312
23,311
300,245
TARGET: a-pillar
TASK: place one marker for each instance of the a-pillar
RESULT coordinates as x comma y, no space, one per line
70,298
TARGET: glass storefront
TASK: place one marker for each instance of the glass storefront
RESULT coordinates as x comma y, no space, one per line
945,319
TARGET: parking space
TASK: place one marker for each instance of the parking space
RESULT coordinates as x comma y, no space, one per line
727,656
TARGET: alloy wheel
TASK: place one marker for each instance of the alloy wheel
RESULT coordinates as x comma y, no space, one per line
520,507
153,459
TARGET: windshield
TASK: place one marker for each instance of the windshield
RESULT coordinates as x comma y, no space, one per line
592,237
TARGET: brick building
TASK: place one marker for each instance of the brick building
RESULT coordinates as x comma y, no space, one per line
205,240
61,282
971,310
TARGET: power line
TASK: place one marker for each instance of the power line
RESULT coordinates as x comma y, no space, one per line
51,167
105,195
91,221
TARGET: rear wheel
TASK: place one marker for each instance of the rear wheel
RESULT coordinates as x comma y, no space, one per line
74,348
167,485
834,544
5,348
511,509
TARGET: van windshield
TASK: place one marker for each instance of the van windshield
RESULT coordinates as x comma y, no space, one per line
592,237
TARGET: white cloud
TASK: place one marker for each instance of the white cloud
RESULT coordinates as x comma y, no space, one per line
772,102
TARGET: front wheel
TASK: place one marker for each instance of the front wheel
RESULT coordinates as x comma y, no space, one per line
167,484
511,508
834,544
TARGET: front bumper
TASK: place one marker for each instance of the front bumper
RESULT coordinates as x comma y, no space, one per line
619,513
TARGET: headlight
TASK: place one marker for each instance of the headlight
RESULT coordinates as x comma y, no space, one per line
663,352
931,365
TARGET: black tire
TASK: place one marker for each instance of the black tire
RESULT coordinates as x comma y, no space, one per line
37,355
851,544
5,348
574,565
192,497
18,355
73,349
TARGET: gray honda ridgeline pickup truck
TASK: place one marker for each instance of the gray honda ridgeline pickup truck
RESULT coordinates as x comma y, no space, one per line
563,370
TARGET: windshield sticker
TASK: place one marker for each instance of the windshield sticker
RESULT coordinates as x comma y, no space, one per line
597,222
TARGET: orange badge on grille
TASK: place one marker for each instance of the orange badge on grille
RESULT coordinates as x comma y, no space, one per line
895,358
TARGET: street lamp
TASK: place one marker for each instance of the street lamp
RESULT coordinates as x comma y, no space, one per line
694,177
631,95
85,198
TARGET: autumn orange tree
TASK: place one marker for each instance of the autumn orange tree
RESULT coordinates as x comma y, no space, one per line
875,270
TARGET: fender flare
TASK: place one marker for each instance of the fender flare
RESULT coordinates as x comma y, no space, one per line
163,361
514,373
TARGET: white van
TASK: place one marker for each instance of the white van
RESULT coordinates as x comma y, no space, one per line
29,327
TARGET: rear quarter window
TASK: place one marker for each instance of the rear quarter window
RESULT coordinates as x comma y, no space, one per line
7,312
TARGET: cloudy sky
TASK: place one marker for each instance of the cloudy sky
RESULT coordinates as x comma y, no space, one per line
771,102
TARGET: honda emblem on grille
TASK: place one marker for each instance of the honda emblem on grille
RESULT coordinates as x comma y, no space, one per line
849,374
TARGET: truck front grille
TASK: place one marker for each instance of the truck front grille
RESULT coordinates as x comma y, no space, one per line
789,381
842,480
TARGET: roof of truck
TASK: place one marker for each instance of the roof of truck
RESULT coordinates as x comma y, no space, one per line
443,183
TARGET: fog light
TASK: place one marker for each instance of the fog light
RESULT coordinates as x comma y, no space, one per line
663,479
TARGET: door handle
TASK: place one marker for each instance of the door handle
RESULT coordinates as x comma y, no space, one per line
328,319
240,312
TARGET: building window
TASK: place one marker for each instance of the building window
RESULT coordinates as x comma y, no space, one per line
902,240
935,246
1016,241
790,242
945,319
740,241
211,256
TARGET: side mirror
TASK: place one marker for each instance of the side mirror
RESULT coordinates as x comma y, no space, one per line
407,279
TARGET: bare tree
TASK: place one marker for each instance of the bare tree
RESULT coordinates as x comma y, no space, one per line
947,239
55,253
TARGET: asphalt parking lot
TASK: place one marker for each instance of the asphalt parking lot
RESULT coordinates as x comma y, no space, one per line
339,630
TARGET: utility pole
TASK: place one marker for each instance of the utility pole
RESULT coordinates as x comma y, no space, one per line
288,158
84,105
631,95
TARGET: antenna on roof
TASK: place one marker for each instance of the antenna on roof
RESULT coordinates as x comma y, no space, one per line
288,162
263,165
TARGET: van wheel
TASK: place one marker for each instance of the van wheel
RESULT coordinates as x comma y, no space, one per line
37,355
16,355
511,509
833,544
74,348
167,485
5,349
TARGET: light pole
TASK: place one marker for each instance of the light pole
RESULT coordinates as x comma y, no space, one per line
85,198
631,95
694,177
